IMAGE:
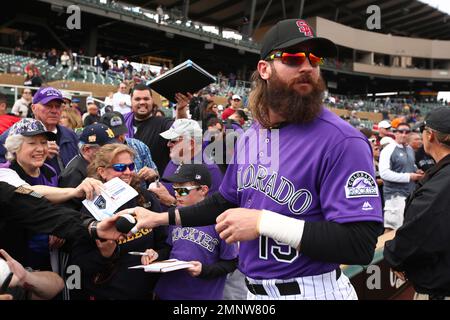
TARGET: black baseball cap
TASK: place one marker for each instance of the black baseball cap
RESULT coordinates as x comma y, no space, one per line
439,120
97,133
115,121
290,32
190,173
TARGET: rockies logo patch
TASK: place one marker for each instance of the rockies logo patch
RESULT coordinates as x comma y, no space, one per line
361,184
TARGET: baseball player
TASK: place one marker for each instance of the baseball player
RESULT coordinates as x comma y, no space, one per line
318,206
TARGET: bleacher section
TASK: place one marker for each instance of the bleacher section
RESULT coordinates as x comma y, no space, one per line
10,63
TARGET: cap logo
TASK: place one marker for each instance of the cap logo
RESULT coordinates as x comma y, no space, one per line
198,177
51,92
110,133
304,28
116,121
92,138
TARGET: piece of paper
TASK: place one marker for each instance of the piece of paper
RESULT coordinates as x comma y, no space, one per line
164,266
185,77
115,194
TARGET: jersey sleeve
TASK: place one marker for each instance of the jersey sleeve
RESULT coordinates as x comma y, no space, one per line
228,188
348,189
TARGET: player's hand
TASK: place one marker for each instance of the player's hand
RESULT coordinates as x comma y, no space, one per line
89,188
20,273
238,224
106,248
54,242
162,193
151,256
145,218
53,149
147,174
196,269
6,297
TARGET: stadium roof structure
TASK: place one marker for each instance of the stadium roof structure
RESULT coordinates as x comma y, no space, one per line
409,18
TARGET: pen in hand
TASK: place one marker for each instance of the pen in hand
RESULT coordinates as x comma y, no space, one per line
136,253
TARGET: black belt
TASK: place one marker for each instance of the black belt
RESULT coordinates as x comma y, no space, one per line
285,289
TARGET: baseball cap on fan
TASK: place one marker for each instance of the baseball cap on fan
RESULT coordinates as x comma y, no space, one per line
291,32
182,127
47,94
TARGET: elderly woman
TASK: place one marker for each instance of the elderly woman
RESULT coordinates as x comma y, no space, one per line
27,150
105,270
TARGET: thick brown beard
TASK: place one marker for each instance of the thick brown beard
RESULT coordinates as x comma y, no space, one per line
289,104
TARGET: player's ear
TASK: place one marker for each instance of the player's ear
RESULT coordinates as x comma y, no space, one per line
264,69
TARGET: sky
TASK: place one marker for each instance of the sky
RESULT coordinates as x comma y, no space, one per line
442,5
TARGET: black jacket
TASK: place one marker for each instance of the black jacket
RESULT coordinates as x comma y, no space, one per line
110,278
35,213
421,247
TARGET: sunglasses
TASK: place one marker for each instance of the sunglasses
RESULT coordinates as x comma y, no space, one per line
176,140
296,59
121,167
184,191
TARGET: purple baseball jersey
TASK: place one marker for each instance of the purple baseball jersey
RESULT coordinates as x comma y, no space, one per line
194,244
318,171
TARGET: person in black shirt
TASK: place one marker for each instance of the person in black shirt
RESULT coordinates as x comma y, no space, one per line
104,264
92,113
420,251
423,160
143,125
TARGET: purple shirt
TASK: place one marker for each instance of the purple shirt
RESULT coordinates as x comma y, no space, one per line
324,171
194,244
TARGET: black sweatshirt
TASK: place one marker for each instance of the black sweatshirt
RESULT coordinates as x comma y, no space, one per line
110,278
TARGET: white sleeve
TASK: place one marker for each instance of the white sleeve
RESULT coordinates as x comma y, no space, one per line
384,165
11,177
281,228
15,109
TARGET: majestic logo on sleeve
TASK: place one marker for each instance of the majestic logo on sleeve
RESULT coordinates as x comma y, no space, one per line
361,184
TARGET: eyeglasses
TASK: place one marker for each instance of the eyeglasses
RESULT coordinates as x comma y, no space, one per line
296,59
236,100
121,167
176,140
403,131
184,191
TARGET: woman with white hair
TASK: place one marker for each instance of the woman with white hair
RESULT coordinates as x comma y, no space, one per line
27,150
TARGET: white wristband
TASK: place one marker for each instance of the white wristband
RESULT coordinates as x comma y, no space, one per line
281,228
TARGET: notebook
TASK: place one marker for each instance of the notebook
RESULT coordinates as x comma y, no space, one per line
185,77
164,266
